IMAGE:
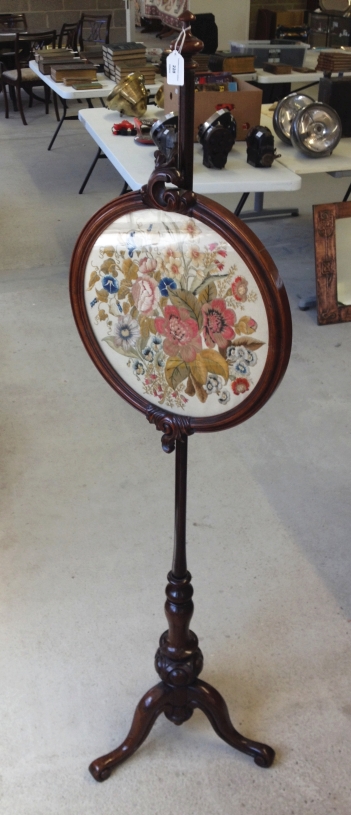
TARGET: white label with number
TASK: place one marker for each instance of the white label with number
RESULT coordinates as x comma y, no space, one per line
175,69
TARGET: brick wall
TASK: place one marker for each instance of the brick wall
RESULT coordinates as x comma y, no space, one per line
43,14
272,5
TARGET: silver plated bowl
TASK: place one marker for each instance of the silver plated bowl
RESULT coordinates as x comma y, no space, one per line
316,130
285,113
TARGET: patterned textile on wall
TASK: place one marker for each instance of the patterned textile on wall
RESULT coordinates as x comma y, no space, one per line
168,11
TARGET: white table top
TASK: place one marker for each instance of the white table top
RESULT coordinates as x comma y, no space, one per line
298,162
135,162
67,92
266,78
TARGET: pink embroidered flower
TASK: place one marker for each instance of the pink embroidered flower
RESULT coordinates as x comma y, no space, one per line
240,385
147,266
145,291
220,266
195,255
212,246
222,252
192,229
172,261
239,289
181,332
218,323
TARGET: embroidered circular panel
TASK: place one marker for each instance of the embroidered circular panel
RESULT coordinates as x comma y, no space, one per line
177,312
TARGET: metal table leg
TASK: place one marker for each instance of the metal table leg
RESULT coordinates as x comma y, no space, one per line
259,213
63,117
99,154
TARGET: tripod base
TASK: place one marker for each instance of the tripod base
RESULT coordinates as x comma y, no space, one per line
178,705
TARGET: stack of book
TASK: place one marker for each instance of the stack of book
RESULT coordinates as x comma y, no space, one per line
147,70
54,56
334,62
120,52
82,71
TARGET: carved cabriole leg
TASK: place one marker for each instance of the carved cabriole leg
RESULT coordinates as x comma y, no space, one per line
207,699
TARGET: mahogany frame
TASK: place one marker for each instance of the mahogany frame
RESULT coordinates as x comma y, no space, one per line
251,250
329,310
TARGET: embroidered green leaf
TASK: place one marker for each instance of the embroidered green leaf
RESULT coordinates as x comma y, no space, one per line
94,278
199,390
199,369
152,326
130,352
163,302
130,270
109,267
249,342
123,291
190,390
208,293
215,363
101,295
144,327
188,301
176,371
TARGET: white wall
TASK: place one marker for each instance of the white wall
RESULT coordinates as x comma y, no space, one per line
232,18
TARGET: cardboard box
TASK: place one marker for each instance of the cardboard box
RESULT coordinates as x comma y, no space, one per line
246,103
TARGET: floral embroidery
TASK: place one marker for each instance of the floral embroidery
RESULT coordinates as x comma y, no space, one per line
144,292
218,322
127,332
240,385
182,333
239,289
178,312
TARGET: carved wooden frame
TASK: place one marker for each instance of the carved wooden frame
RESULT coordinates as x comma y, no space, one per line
248,246
329,310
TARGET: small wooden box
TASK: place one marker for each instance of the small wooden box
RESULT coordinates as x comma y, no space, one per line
277,68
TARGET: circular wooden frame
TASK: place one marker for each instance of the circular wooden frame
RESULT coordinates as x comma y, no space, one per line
264,272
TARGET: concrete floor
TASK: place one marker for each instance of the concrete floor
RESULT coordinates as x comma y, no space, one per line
87,524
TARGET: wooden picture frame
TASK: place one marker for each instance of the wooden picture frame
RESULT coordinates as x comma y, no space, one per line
329,307
230,231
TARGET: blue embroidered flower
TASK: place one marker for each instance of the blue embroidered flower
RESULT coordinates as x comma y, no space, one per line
160,361
138,368
251,357
93,302
241,368
213,384
165,284
148,354
156,342
224,397
110,284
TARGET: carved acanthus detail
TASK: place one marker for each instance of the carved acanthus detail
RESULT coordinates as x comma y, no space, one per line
156,194
172,427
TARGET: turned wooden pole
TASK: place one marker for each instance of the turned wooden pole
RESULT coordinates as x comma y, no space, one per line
187,102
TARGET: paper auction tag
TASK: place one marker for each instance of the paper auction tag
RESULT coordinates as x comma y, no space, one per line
175,68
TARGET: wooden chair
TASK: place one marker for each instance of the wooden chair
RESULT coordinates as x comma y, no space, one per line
94,29
10,22
22,76
68,36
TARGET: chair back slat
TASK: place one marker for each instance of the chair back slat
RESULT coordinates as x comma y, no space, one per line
68,36
13,22
94,28
27,44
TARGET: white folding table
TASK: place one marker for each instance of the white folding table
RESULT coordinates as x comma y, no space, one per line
135,162
66,92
